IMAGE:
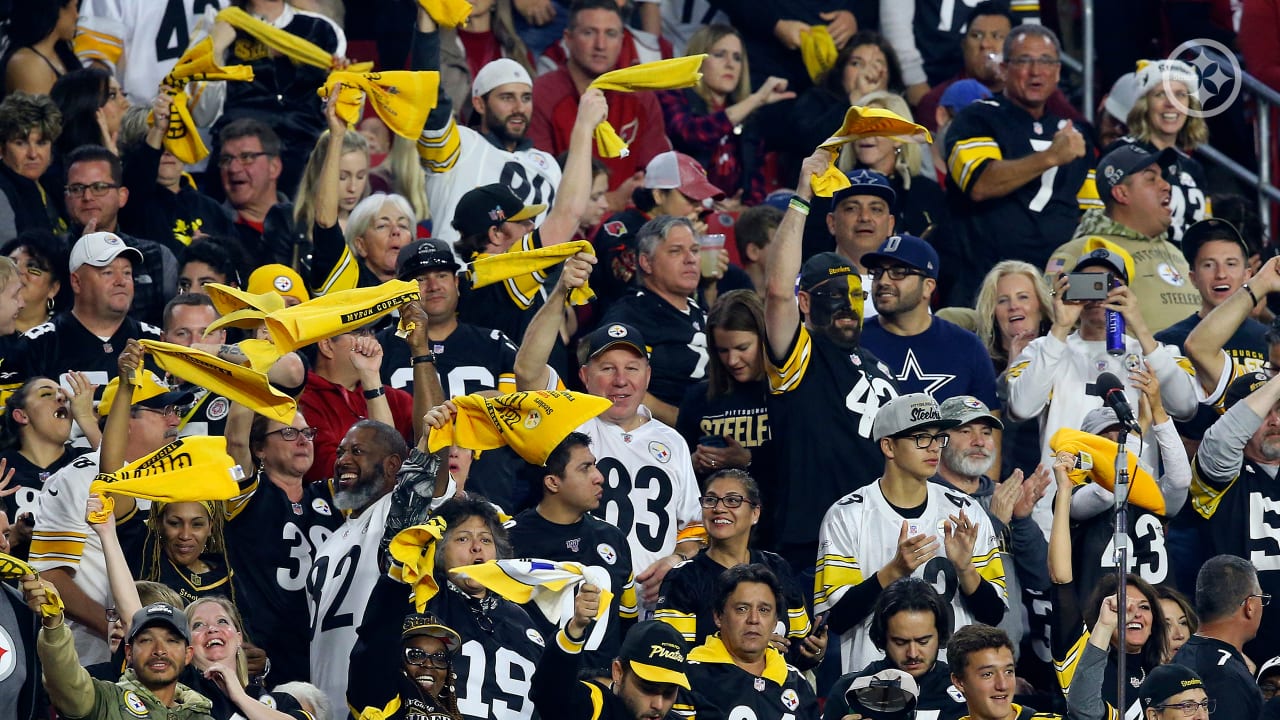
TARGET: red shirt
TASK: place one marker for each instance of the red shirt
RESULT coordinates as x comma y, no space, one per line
636,116
332,409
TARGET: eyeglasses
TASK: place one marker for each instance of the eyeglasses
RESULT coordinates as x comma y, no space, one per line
97,189
897,272
1189,708
924,440
1026,62
730,501
166,411
244,158
289,434
422,658
1264,599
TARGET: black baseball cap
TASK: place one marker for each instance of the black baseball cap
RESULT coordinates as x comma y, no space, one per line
1165,681
160,614
1210,230
824,266
656,652
1126,160
422,256
611,335
489,206
1102,257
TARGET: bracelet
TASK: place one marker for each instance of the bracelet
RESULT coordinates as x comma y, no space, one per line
1249,290
428,358
375,393
799,206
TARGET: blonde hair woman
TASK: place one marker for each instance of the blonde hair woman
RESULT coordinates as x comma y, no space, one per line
353,179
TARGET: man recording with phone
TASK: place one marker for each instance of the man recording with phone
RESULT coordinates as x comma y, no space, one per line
1051,378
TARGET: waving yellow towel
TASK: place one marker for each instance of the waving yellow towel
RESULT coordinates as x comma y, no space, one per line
237,308
862,122
287,44
197,64
336,313
187,470
817,51
531,423
244,385
401,98
447,13
11,568
492,269
413,556
1143,490
681,72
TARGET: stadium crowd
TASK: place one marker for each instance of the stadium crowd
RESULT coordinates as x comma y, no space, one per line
635,359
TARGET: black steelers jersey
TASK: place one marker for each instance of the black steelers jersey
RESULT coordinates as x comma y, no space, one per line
689,590
471,359
1033,220
63,344
270,544
558,693
1242,517
1225,674
724,691
939,27
822,391
12,364
1188,201
589,541
206,416
617,273
191,586
677,341
1094,542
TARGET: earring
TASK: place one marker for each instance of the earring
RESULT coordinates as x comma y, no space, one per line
48,304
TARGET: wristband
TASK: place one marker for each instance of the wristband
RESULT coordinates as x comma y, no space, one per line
428,358
375,393
1249,290
799,206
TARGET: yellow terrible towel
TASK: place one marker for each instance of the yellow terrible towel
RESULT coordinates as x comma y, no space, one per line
197,64
669,74
11,568
1101,452
817,51
401,98
336,313
187,470
413,556
244,385
863,122
549,585
286,43
237,308
447,13
492,269
531,423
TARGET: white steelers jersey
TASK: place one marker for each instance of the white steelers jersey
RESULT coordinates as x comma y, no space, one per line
859,535
650,492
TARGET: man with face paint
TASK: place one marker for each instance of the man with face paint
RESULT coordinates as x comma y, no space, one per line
823,383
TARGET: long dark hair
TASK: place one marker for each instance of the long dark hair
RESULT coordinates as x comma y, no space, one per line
31,22
834,79
736,311
78,95
1153,651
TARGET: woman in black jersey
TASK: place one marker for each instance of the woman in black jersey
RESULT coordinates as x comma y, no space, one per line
1141,634
185,549
730,508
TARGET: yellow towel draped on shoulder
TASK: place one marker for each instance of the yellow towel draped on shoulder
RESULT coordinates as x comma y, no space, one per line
197,64
862,122
187,470
531,423
400,97
671,74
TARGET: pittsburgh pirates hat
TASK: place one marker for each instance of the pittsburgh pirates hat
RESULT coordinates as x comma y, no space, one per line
906,413
965,409
656,652
160,614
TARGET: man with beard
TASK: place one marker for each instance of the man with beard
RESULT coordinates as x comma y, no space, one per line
823,383
903,525
375,478
1234,490
924,353
62,547
969,455
457,158
157,650
910,624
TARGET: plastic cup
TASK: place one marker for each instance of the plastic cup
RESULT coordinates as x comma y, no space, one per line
711,245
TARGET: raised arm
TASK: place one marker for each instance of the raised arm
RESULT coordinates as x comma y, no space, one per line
1060,571
118,573
1203,346
326,188
366,357
427,392
781,313
575,183
539,338
239,421
116,434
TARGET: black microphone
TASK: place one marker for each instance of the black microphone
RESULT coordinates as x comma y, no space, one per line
1112,392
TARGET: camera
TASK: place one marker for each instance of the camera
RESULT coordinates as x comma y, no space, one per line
1088,286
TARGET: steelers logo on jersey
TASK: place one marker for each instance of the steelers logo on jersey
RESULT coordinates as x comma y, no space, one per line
268,701
320,506
607,553
660,451
790,699
1132,362
8,655
536,637
1170,274
134,704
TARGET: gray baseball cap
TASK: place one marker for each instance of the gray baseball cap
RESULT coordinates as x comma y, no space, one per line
906,413
1097,420
964,409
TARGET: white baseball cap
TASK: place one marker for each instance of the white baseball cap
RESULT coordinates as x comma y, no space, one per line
1124,93
100,249
499,72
